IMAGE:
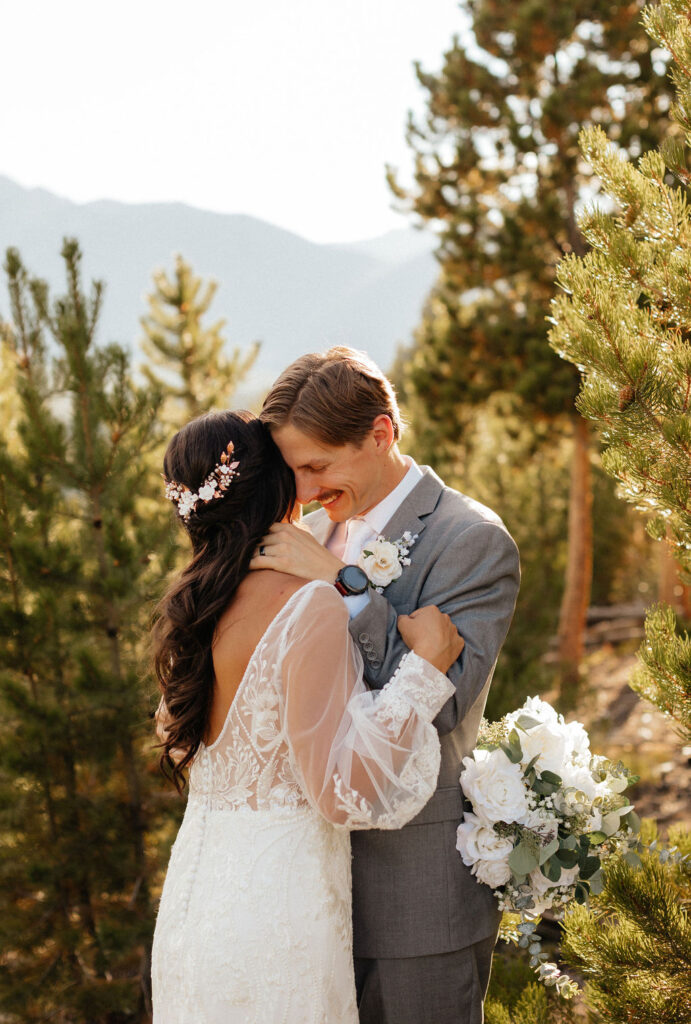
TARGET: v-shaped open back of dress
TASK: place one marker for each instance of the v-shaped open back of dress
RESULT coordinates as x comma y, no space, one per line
254,923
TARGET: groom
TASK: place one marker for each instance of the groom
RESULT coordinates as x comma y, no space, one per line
423,928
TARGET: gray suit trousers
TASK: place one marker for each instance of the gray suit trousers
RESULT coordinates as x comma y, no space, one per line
446,988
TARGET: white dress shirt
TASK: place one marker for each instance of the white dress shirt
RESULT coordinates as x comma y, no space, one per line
348,539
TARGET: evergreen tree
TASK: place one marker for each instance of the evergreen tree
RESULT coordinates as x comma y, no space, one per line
498,172
83,543
634,942
625,321
192,368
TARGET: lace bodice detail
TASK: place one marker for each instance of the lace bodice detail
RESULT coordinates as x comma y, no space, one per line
304,730
255,917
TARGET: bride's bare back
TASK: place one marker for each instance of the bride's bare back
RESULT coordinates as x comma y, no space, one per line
256,603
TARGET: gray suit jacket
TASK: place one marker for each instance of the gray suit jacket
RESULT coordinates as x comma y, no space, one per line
412,894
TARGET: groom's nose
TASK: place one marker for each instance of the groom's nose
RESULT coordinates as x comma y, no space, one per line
306,489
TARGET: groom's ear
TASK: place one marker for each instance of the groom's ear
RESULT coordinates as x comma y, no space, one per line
383,434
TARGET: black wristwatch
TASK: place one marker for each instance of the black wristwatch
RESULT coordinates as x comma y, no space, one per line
351,580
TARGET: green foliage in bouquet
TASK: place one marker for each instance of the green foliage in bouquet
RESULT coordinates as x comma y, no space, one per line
547,816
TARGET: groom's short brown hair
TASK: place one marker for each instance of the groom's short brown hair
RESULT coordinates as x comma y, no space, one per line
334,396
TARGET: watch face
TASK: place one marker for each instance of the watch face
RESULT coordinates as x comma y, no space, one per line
354,579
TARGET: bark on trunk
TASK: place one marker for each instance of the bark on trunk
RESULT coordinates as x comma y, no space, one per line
670,589
579,569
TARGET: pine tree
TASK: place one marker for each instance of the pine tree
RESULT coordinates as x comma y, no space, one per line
83,543
498,172
625,321
634,943
192,368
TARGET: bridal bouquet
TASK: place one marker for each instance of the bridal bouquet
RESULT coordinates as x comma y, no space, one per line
546,815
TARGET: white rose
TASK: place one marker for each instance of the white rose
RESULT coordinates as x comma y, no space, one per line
577,742
579,777
536,708
548,742
475,841
495,786
541,886
543,820
492,872
381,562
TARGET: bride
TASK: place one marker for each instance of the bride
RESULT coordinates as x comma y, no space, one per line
263,700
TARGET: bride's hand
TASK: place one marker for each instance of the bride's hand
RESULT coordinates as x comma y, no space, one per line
292,549
432,635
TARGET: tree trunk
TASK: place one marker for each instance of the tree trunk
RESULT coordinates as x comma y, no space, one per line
670,589
579,568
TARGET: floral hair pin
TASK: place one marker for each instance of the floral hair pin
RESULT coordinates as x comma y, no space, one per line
216,483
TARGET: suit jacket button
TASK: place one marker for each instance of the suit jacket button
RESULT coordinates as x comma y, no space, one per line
363,638
375,663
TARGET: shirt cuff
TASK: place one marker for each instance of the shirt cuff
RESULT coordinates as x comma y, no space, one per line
355,603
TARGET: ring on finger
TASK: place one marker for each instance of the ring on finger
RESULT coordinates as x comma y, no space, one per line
262,550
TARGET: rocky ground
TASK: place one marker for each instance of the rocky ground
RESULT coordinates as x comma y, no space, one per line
624,726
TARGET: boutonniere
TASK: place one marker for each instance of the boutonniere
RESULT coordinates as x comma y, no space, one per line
383,560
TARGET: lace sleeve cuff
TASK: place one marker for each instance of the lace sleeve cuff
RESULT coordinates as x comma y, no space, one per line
424,687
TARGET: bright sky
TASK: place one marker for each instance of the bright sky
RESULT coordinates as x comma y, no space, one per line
283,109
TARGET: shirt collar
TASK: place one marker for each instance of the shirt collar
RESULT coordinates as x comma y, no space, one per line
377,517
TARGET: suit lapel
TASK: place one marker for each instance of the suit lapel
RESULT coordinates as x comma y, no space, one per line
411,513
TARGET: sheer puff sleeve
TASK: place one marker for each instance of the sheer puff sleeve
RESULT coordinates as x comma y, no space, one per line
364,759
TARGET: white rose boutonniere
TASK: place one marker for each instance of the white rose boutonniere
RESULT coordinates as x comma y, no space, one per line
383,560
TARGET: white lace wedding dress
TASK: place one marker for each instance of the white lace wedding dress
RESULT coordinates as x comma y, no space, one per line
254,925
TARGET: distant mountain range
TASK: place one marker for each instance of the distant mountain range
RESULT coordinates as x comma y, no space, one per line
292,295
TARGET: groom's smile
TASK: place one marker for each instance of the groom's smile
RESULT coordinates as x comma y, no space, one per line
346,479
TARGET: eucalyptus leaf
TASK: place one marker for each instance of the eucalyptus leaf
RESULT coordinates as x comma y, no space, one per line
632,859
581,893
595,838
547,851
569,843
523,859
526,722
611,822
514,754
589,867
544,788
512,747
633,822
596,883
551,869
567,858
551,777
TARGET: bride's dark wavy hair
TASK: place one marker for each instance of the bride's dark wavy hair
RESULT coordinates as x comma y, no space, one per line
224,533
